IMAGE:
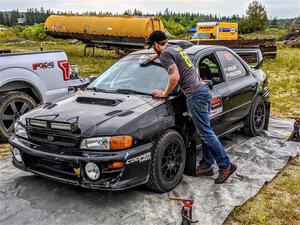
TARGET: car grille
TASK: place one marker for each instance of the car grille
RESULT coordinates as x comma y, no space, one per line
53,139
60,170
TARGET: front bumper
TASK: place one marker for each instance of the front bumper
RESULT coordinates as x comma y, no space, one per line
61,166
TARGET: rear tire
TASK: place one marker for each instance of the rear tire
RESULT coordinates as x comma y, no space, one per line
13,104
168,162
256,119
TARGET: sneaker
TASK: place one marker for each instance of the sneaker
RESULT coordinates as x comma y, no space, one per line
204,171
225,173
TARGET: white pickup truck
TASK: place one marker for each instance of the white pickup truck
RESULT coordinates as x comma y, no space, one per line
30,79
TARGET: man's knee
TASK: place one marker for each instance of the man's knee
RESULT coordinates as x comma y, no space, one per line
207,136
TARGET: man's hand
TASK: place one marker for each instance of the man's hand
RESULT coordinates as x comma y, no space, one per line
143,60
159,94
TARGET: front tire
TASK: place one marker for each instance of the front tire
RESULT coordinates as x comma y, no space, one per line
13,104
256,119
168,162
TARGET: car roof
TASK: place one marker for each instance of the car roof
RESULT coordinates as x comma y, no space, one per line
192,50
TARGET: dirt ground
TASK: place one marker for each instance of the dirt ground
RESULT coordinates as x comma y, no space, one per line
4,150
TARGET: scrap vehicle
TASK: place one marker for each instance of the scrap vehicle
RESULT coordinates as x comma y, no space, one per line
116,135
28,79
109,32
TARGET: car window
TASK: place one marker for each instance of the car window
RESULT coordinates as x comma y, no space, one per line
233,68
209,69
129,74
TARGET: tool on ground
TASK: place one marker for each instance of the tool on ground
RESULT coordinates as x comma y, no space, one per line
295,135
186,211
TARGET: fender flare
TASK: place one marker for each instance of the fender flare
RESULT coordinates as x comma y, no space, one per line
23,75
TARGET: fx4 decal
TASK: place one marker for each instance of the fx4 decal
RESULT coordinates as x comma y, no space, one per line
45,65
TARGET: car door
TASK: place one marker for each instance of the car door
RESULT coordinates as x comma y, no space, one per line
241,83
220,90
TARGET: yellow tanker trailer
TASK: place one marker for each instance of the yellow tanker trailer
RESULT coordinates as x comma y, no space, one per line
109,31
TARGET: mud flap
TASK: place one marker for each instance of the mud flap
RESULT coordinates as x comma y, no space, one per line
193,156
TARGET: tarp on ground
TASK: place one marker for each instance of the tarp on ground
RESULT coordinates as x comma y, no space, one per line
29,199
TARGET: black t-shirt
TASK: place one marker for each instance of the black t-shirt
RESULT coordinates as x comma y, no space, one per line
189,81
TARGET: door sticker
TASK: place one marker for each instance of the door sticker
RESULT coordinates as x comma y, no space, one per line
216,106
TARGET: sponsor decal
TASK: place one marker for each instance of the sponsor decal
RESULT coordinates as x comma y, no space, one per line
216,107
216,111
231,30
140,158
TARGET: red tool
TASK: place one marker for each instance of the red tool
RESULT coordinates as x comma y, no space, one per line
186,211
295,135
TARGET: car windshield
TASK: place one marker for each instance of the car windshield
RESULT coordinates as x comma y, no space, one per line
201,36
131,76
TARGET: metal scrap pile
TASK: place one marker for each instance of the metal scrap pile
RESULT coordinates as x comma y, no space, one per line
293,38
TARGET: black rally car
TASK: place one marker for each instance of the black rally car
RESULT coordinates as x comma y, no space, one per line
115,135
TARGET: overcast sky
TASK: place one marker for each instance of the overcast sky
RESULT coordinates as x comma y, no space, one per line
278,8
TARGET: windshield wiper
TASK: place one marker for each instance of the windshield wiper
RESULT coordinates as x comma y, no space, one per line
100,90
129,91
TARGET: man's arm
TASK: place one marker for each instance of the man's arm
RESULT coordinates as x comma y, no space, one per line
143,60
172,82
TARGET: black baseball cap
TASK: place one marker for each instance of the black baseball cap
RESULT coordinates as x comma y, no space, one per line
156,36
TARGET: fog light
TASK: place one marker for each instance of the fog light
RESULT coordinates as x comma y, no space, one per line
92,171
17,154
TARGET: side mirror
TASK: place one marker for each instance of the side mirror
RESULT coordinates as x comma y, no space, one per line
216,80
209,83
92,78
253,57
260,60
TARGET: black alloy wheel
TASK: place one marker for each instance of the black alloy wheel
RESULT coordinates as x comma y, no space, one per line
256,119
168,162
171,162
260,116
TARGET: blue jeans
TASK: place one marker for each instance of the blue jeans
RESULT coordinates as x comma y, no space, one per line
199,105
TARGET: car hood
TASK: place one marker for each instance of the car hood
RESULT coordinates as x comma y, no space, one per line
96,112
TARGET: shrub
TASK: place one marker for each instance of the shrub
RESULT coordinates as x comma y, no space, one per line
35,32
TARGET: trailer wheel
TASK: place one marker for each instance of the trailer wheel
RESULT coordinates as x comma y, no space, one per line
168,161
256,119
13,104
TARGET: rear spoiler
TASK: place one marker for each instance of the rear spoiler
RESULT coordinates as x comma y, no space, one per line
251,56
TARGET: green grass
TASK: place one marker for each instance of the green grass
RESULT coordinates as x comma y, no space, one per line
277,203
284,82
276,33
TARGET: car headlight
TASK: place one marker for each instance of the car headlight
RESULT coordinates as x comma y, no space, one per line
19,129
107,143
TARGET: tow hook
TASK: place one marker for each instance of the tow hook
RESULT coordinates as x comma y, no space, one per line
186,211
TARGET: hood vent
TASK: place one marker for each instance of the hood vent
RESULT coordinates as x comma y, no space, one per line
125,113
113,112
98,101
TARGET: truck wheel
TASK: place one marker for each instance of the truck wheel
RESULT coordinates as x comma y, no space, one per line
256,119
12,105
168,161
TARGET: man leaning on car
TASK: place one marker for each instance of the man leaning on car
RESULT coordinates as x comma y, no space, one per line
198,99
